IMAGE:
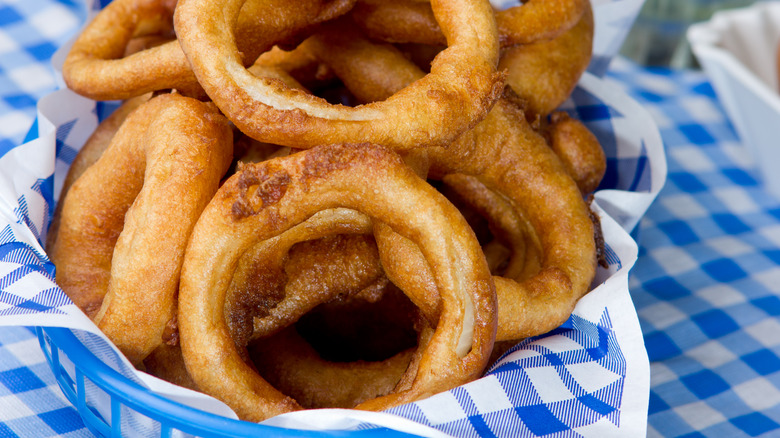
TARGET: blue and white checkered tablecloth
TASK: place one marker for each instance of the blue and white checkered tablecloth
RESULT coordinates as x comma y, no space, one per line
706,285
31,403
707,282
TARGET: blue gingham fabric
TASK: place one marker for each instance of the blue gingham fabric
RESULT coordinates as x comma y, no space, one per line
539,410
31,32
31,403
707,282
705,286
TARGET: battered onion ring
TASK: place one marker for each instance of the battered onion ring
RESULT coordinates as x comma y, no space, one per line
96,69
270,290
517,163
94,147
578,149
514,251
297,369
330,270
256,289
411,21
511,159
264,200
125,222
508,226
506,155
461,88
544,73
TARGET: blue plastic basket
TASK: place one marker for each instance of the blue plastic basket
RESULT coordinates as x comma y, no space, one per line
171,416
112,404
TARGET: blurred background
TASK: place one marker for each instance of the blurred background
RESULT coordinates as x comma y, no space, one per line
658,35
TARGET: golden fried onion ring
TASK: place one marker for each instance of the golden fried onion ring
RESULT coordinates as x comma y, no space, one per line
461,88
125,222
579,151
265,199
95,66
255,311
90,152
516,162
412,21
281,279
506,155
544,73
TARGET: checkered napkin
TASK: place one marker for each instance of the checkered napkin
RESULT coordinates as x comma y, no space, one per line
707,284
589,377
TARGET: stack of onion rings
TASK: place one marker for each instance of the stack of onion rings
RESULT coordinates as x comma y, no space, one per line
264,200
459,90
96,68
505,154
352,165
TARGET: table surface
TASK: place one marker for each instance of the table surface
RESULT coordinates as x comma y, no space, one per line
706,285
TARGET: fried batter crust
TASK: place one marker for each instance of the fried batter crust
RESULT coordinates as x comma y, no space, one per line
125,222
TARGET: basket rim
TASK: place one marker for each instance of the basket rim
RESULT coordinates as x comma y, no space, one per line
168,412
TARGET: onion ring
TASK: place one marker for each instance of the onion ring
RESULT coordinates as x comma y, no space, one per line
336,264
511,159
91,152
324,270
95,68
265,199
461,88
544,73
294,367
508,226
520,166
117,254
328,270
517,163
264,267
411,21
579,151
